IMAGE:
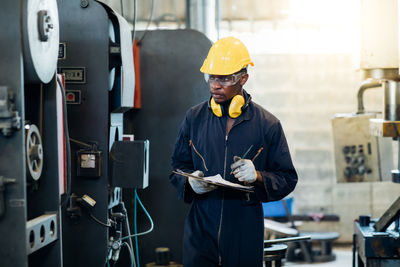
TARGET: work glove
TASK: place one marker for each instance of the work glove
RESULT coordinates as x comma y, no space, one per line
198,186
244,170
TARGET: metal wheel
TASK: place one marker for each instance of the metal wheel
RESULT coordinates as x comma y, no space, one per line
34,152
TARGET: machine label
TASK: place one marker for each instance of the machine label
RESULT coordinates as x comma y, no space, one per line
73,75
73,97
62,50
17,203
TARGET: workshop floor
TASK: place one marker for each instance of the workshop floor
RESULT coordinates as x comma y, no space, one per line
343,259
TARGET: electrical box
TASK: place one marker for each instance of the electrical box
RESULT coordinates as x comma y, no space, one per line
89,163
130,164
359,156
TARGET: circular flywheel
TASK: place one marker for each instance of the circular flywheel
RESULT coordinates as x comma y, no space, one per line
34,152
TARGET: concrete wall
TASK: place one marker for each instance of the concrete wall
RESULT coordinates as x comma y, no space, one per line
304,91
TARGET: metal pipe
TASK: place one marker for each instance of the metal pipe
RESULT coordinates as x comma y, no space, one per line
391,100
188,24
218,16
202,15
368,84
354,251
287,239
398,154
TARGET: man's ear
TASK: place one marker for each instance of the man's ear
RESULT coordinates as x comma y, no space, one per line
244,79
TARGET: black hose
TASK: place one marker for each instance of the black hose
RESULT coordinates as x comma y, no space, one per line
354,251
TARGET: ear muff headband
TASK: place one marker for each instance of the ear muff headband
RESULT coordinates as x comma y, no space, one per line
238,104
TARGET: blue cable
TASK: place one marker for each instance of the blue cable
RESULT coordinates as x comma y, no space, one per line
135,226
136,234
135,229
148,216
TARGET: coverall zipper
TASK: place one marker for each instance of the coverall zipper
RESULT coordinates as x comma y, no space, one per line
223,195
222,204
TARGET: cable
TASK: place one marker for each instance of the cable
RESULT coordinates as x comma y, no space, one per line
136,197
80,143
67,144
135,227
127,227
98,221
132,258
148,22
148,216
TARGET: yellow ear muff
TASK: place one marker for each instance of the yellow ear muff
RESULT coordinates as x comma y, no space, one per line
235,108
216,108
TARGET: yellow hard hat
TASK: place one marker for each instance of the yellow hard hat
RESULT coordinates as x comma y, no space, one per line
226,56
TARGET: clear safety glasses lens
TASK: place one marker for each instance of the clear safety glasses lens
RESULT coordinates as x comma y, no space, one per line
227,80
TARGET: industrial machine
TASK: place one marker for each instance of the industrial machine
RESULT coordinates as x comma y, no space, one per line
74,148
67,79
97,63
376,241
30,110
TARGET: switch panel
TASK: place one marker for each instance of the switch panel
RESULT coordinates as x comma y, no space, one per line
359,156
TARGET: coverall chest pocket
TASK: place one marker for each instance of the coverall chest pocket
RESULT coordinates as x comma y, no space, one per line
198,157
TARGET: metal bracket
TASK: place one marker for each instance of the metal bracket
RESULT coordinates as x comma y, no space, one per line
41,231
9,117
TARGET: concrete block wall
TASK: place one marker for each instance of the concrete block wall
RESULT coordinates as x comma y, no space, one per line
305,91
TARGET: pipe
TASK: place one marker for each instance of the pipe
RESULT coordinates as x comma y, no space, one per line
286,239
368,84
188,17
354,251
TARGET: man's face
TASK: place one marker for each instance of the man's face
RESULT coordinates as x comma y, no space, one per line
221,91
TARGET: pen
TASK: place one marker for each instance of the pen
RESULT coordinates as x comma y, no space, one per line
247,152
244,155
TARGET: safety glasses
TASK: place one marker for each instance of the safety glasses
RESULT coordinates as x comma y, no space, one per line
223,80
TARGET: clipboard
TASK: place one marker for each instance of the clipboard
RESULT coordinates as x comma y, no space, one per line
249,189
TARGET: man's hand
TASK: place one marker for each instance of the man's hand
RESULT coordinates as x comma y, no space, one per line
198,186
244,170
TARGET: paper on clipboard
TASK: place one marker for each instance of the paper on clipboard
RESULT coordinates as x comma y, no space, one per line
219,181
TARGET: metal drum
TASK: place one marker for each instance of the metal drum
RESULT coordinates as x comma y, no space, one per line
40,40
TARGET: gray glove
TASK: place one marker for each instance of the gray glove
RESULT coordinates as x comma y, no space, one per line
198,186
244,170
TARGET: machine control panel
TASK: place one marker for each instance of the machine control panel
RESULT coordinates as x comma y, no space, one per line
359,156
356,158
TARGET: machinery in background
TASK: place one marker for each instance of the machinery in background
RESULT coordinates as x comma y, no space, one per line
97,61
60,188
31,129
376,241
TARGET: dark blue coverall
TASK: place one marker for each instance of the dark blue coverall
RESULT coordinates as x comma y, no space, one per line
225,227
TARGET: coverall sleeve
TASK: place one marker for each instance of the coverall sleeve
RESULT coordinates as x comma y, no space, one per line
279,177
182,160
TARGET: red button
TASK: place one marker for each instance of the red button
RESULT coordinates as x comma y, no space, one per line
70,97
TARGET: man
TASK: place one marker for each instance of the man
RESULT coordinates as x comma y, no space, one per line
232,136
